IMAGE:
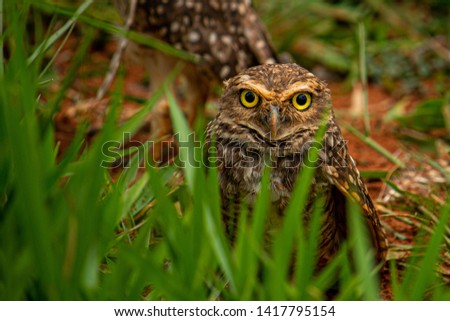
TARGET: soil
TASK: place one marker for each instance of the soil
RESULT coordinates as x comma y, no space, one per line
79,105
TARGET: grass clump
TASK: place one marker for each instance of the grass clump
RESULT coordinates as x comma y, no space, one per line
69,230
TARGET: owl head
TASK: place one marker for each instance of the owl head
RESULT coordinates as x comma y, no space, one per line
276,100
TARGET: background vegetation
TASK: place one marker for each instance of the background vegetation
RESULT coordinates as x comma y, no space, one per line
71,230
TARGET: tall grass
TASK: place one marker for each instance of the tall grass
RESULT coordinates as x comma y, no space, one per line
69,231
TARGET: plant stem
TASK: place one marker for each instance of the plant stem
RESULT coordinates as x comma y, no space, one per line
370,142
363,76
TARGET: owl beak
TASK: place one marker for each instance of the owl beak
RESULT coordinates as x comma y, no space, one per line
273,121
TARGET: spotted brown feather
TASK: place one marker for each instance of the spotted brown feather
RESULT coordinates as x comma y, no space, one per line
227,35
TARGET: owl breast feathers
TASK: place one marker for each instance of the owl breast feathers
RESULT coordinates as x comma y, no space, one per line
269,116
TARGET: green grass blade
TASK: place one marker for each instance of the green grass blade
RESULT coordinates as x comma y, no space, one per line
59,33
307,250
251,242
185,139
284,241
426,275
214,227
113,29
362,253
373,144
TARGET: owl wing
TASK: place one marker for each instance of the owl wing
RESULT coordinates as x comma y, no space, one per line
228,36
341,171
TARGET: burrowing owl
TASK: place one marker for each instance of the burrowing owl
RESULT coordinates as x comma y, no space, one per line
227,37
270,114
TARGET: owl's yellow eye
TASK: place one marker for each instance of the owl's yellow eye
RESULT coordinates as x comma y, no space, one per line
249,99
301,101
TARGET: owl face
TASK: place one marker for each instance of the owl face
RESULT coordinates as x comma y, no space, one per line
275,101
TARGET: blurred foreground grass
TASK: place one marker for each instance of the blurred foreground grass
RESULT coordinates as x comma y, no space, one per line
69,231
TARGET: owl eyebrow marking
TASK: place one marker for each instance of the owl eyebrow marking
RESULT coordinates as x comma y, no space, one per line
302,86
261,89
258,88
